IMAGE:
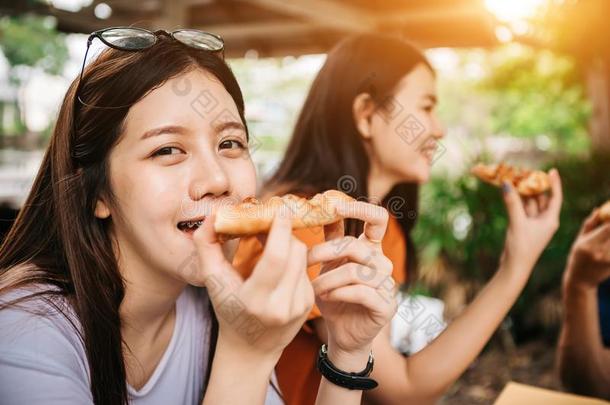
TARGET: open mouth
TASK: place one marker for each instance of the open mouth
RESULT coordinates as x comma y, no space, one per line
191,225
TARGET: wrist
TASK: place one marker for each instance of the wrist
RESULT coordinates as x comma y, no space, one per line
245,357
351,361
515,271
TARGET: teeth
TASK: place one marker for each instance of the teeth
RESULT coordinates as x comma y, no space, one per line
192,224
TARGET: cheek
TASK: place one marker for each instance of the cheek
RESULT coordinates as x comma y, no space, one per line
144,195
242,176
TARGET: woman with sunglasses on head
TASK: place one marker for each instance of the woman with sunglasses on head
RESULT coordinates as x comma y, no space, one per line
100,276
369,126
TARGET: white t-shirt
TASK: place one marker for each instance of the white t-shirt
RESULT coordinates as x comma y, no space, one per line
42,359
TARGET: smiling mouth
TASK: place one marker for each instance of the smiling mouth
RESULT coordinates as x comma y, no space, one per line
191,225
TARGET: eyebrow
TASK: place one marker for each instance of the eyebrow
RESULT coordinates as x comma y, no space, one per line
167,129
229,125
177,129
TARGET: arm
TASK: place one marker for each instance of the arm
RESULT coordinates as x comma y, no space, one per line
425,376
584,363
354,292
257,317
237,375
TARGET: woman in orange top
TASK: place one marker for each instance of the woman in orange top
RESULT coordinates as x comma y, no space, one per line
369,127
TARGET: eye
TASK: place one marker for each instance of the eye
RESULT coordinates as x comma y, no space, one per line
428,108
167,150
231,144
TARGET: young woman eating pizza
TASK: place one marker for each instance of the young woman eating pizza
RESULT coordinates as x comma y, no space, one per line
101,297
369,127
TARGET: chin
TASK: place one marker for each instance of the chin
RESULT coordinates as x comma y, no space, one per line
420,175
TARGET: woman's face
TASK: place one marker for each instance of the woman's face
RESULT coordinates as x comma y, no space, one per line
183,152
404,133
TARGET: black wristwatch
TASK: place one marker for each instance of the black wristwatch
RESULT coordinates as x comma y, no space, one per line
352,381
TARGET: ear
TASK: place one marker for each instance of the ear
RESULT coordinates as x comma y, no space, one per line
101,209
363,109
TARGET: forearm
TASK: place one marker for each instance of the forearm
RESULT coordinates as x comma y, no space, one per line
430,372
236,376
331,394
584,363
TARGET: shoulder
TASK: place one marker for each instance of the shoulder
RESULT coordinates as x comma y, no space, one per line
40,346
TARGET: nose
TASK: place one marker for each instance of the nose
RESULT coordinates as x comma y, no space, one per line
438,131
209,179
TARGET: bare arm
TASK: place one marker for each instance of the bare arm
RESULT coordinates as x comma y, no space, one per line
236,375
425,376
584,363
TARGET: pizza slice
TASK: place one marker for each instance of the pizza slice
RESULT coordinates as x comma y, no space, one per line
253,216
527,182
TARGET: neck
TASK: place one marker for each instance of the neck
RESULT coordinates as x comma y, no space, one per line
379,183
149,301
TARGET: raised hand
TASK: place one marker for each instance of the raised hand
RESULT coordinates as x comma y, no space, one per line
589,261
532,223
355,290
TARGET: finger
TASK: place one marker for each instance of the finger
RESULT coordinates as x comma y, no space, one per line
271,266
531,206
598,236
218,276
304,296
347,247
334,231
591,222
360,295
351,273
206,243
556,195
375,217
295,269
543,202
513,203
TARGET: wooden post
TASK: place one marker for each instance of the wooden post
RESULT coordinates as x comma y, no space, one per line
598,89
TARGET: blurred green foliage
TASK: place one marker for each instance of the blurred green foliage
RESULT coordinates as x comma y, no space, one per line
463,222
537,92
33,41
524,93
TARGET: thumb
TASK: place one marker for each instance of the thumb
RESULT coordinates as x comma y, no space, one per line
217,273
513,203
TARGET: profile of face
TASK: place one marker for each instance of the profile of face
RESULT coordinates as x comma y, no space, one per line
402,135
183,153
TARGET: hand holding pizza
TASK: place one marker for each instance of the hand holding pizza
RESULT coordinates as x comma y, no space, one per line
355,289
532,222
589,261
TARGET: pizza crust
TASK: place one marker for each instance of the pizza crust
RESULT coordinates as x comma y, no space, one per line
527,182
252,217
604,212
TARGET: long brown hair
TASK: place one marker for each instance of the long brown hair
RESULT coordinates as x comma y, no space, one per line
56,239
326,150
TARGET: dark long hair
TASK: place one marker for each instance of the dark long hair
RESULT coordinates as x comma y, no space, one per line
56,239
326,150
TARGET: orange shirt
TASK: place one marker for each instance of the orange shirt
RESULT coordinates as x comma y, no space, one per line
296,371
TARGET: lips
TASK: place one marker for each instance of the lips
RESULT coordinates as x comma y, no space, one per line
429,152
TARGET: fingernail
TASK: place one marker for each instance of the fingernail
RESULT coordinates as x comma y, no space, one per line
506,187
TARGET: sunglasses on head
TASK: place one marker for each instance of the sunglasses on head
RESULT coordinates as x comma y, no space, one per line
137,39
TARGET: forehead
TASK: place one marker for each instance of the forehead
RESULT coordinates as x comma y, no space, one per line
192,99
417,83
